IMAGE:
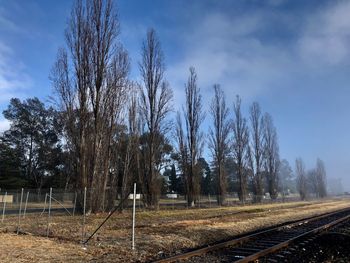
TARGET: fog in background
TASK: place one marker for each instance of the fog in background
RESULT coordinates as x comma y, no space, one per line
293,57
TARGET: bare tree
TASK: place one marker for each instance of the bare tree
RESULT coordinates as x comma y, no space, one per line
311,180
182,151
194,116
287,182
156,96
240,148
131,170
92,93
219,140
271,155
256,151
321,178
301,178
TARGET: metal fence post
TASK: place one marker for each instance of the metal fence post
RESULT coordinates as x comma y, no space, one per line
19,212
25,206
133,218
49,214
4,207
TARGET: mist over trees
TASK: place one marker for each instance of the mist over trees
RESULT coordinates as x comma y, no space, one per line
107,131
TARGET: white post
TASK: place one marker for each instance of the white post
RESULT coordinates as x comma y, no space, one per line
4,207
49,214
133,218
84,211
25,206
19,212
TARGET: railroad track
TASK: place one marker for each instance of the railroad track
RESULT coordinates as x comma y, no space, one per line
251,247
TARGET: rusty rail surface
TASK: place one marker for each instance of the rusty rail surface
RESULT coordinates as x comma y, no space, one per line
252,246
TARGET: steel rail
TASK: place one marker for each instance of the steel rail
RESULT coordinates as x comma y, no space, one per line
290,241
251,236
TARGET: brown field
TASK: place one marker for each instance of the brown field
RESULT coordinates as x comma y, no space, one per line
157,232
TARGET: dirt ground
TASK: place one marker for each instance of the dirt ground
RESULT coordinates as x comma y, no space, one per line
158,233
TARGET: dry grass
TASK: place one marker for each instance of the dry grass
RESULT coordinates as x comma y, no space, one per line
157,232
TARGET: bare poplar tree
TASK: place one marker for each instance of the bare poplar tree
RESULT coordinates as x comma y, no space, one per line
256,151
155,100
271,155
131,170
92,93
301,178
311,179
182,151
219,140
240,148
194,116
321,178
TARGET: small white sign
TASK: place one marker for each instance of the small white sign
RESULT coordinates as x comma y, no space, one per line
131,196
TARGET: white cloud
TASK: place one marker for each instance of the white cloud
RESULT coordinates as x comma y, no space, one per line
13,78
231,50
326,38
4,125
225,50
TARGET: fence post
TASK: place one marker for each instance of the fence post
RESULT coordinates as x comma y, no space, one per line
19,212
75,203
49,214
84,211
4,207
133,218
25,206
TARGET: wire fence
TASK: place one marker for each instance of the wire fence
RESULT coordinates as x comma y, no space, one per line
58,213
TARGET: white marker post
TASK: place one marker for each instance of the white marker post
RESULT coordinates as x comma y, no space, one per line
133,218
3,208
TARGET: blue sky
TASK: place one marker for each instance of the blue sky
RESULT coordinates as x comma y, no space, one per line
292,57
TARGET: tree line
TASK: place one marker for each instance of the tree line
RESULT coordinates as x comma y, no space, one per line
105,131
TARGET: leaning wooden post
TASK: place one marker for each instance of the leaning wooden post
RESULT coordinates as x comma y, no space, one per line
49,214
3,208
133,218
